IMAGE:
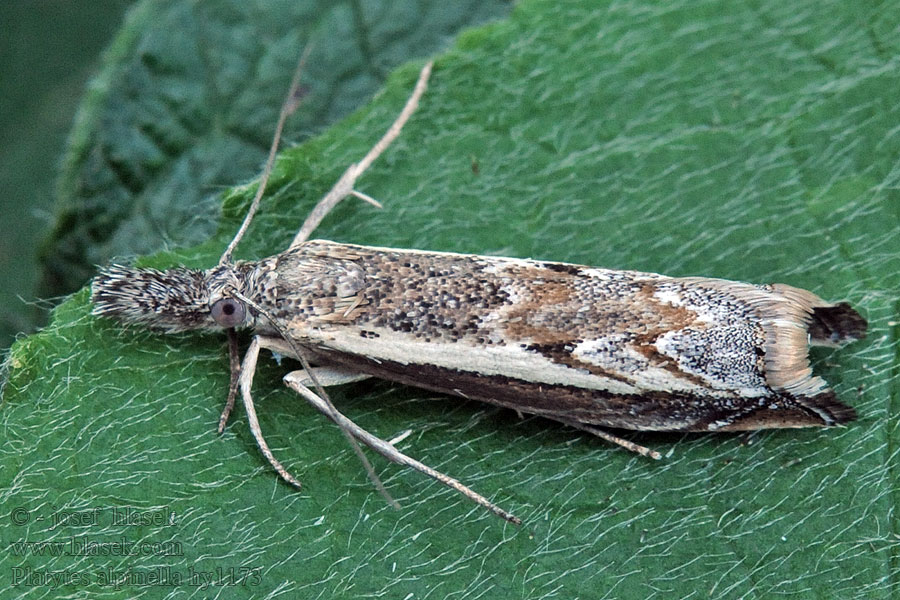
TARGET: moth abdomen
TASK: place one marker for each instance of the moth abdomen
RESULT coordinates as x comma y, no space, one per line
836,325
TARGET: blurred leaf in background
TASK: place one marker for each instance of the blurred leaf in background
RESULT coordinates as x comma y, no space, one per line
756,143
48,50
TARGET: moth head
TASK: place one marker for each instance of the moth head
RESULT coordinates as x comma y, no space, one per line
174,300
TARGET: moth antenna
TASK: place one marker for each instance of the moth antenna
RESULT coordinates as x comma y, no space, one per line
370,470
344,185
290,104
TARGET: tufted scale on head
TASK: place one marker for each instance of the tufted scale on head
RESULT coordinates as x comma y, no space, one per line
173,300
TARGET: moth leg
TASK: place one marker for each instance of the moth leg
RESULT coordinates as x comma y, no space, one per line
344,185
248,369
295,380
234,361
604,435
285,346
329,376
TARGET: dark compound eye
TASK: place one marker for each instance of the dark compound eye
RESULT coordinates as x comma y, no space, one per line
228,312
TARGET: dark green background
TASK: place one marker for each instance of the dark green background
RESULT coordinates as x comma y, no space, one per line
48,50
754,141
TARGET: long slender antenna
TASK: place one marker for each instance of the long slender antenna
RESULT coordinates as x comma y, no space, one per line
287,108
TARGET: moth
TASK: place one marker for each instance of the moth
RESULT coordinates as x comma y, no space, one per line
589,347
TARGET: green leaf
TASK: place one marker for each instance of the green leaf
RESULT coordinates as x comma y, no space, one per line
754,143
186,102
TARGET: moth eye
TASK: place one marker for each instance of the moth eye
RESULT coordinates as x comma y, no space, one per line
228,312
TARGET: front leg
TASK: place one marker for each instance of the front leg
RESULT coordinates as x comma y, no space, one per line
245,382
326,376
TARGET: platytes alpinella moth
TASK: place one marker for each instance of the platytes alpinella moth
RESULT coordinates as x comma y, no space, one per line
590,347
